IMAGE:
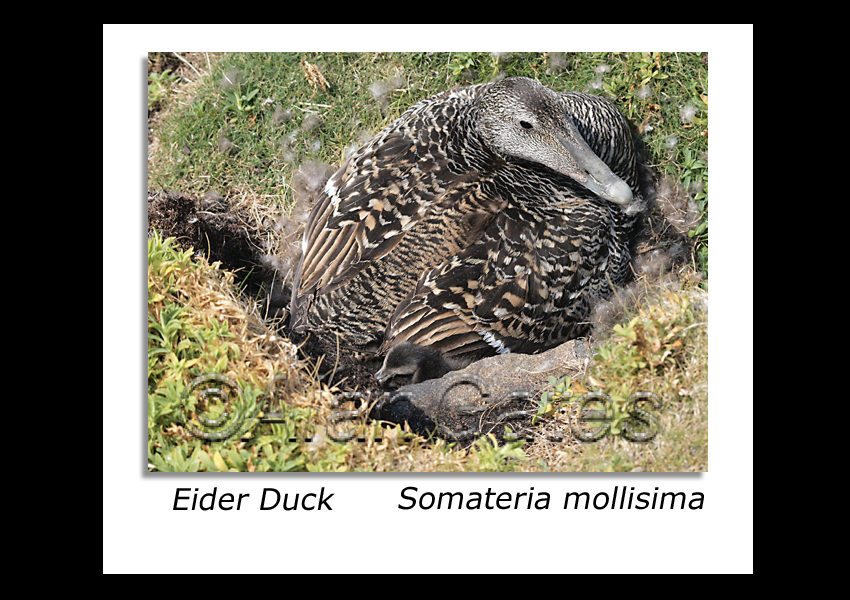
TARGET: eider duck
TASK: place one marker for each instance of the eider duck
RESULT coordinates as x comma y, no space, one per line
484,220
406,363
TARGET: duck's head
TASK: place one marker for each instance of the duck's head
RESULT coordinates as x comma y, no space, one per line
522,118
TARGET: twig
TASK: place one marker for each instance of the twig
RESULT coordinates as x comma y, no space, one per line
694,325
188,63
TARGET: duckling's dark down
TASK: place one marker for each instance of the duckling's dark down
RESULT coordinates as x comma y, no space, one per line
407,363
484,220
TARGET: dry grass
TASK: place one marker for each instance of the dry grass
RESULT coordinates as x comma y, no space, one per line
254,353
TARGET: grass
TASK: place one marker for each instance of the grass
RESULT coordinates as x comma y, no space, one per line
661,348
240,125
252,117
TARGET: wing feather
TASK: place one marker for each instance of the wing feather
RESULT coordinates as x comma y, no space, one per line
508,291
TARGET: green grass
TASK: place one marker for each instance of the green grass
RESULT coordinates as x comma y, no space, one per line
661,348
195,327
232,133
250,120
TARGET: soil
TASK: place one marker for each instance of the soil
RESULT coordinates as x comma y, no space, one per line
209,226
213,228
349,371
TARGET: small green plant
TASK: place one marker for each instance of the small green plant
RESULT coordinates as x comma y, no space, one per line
695,175
549,401
640,70
198,107
694,170
650,67
651,339
160,86
491,456
332,460
238,102
562,392
461,62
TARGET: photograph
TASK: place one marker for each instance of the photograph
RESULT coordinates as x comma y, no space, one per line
425,261
365,282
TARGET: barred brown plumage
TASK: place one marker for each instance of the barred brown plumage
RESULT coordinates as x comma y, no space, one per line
484,219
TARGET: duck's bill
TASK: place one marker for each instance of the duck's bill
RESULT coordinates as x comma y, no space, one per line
593,173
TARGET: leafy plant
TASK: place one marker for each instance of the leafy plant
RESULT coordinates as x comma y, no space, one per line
160,86
462,61
695,172
239,102
491,456
650,67
549,401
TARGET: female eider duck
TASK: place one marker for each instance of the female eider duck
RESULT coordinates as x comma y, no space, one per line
484,220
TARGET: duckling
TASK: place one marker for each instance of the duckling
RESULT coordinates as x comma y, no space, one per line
407,363
484,220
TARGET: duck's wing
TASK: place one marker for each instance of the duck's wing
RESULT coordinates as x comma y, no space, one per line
368,206
360,214
522,287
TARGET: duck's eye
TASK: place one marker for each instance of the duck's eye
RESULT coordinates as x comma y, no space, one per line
525,125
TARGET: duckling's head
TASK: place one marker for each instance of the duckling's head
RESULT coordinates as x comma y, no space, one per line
519,117
408,363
